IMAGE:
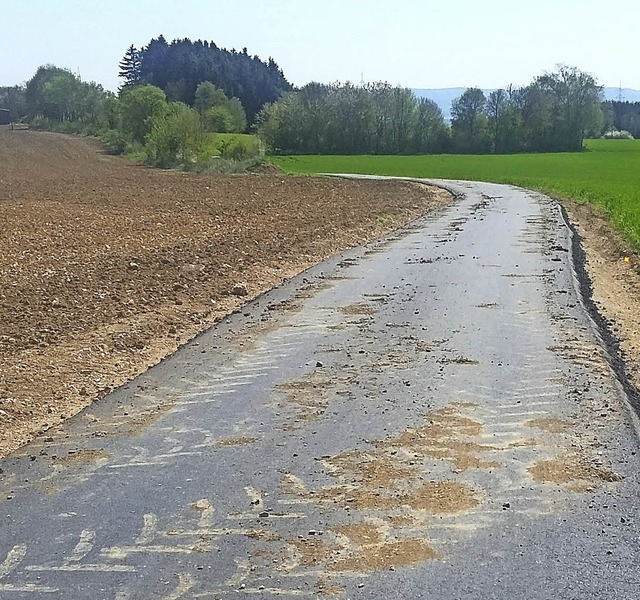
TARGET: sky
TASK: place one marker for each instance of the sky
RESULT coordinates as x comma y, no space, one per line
413,43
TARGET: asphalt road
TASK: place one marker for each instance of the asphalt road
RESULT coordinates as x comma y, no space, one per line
432,416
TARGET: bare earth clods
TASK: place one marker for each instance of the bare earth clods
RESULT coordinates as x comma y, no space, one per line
106,267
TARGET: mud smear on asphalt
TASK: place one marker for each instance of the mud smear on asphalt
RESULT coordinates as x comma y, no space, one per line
271,321
573,472
138,424
352,556
387,493
235,441
364,534
457,360
358,308
391,358
314,551
308,397
428,346
583,353
369,468
442,497
549,424
446,435
328,588
402,553
80,457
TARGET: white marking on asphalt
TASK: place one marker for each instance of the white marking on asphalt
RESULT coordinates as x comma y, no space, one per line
254,496
160,459
185,583
207,513
14,557
242,572
271,516
219,532
149,529
27,587
122,552
83,547
93,568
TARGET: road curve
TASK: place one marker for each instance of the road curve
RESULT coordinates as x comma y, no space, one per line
430,416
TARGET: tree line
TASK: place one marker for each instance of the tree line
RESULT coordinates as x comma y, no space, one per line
173,94
348,119
552,114
622,119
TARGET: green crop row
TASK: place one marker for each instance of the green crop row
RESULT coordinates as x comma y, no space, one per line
607,174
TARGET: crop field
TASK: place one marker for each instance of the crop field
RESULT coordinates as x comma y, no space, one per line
607,175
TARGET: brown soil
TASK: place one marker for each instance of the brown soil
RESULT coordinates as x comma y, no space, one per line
363,534
365,557
615,281
571,471
81,457
442,497
447,435
107,267
549,424
403,553
371,470
358,308
236,441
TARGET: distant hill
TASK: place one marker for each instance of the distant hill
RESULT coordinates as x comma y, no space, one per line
445,96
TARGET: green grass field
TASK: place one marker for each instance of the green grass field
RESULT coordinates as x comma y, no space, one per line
607,175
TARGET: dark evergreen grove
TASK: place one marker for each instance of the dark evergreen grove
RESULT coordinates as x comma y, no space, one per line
177,68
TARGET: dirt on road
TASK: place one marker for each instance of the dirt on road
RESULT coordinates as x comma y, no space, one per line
107,267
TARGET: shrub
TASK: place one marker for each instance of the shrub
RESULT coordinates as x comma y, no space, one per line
114,141
175,136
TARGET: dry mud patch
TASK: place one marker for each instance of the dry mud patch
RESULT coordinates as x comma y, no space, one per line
107,267
403,498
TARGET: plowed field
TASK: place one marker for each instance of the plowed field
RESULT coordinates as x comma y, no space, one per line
106,266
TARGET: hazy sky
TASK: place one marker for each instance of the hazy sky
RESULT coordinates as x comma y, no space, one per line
419,44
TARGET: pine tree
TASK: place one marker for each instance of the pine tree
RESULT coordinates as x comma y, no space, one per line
130,67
